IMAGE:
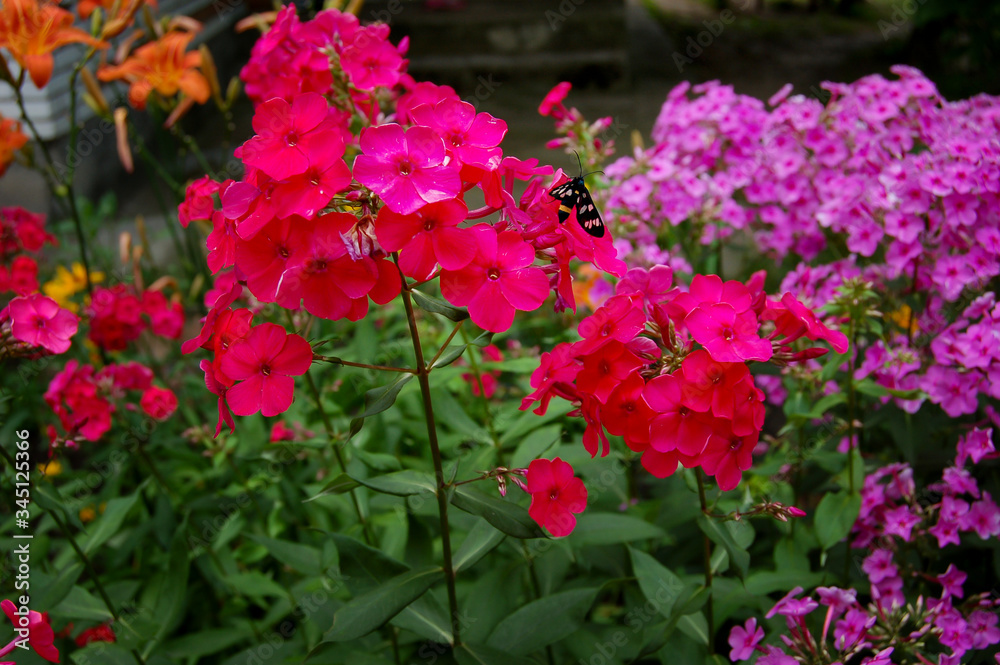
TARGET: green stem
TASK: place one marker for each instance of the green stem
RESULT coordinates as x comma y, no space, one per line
423,372
332,436
708,564
346,363
195,149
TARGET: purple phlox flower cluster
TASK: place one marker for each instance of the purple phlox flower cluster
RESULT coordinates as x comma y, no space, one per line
905,177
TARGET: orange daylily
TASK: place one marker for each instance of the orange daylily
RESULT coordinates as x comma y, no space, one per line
11,140
31,30
163,66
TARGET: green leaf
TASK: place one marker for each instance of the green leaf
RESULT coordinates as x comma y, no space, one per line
609,528
55,589
108,524
767,581
80,604
483,538
509,517
104,653
401,483
470,654
380,399
835,515
542,622
455,351
367,612
438,306
364,567
534,445
694,626
339,485
255,584
426,618
173,593
720,533
205,643
660,585
302,558
378,461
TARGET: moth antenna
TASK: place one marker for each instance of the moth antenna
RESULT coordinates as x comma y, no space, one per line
578,160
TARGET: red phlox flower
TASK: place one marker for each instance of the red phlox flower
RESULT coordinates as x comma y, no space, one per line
427,237
605,369
406,169
423,92
102,633
711,290
284,132
40,634
264,363
675,425
230,326
471,138
125,376
556,494
626,413
332,284
557,370
72,395
727,335
654,285
37,320
199,201
158,403
709,385
115,317
594,437
552,105
21,230
266,257
309,192
727,455
620,318
221,304
498,281
793,320
217,388
370,61
23,276
166,318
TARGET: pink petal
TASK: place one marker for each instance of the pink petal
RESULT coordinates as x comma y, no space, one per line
453,247
276,396
490,310
424,147
525,289
513,252
246,397
295,358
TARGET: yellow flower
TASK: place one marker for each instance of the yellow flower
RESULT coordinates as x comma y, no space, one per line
904,318
50,468
87,514
69,282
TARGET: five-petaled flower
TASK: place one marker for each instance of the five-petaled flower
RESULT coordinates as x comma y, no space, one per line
556,494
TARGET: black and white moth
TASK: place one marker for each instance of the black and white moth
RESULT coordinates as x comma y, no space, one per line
574,194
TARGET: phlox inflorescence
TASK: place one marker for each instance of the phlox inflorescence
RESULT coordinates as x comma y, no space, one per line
356,179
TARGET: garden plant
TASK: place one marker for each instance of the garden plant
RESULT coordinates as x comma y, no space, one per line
371,397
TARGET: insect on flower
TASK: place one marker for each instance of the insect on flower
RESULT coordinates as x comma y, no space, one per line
574,194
